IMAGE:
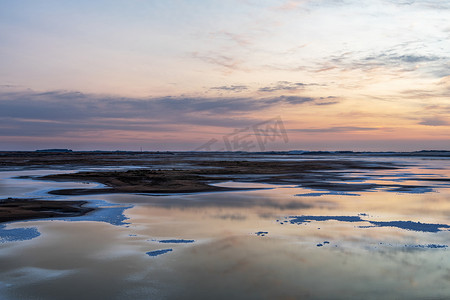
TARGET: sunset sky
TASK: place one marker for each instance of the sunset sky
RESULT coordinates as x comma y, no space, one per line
173,75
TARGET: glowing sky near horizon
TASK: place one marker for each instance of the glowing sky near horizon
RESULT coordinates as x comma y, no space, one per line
172,75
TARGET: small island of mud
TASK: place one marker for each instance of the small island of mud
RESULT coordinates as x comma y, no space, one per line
202,174
13,209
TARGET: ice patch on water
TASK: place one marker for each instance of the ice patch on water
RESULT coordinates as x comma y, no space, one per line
180,241
326,193
158,252
407,225
429,246
17,234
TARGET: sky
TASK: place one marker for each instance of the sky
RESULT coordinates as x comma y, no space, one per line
185,75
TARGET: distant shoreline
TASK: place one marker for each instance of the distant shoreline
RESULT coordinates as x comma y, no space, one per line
444,153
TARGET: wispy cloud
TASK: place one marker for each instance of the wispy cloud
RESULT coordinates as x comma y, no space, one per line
230,63
240,39
402,58
341,129
59,112
390,58
434,121
230,88
284,86
330,100
431,4
438,90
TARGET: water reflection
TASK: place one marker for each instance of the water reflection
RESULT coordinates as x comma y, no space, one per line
273,242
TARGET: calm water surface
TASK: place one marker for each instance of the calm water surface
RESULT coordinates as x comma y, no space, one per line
272,242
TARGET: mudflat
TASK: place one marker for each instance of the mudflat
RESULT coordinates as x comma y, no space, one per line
13,209
201,175
188,172
181,172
